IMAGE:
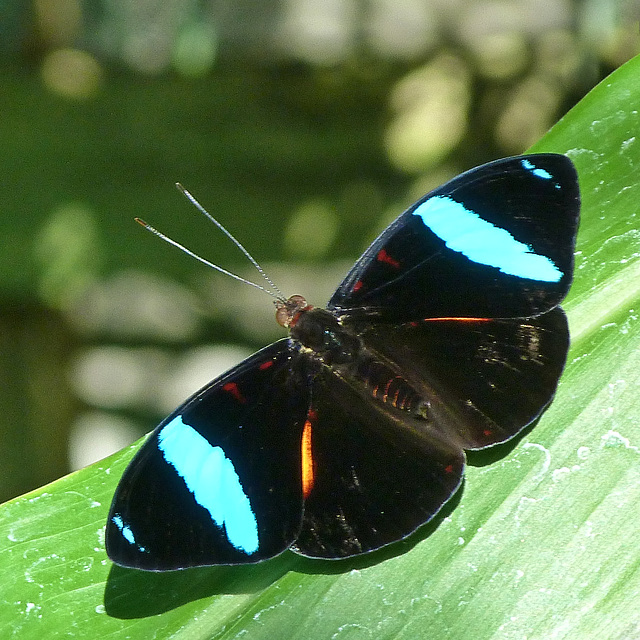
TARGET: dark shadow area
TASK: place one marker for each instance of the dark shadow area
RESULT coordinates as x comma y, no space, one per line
491,455
130,593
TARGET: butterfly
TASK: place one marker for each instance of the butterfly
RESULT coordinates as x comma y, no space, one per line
445,336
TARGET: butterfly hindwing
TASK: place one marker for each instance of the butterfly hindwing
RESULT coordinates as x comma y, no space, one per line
376,478
496,241
484,379
218,481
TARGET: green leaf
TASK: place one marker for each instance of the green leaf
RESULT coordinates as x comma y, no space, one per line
543,543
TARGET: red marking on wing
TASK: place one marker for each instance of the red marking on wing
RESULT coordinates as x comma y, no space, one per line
383,256
232,388
357,286
266,365
448,468
487,432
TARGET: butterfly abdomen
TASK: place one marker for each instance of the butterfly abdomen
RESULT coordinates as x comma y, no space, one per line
384,384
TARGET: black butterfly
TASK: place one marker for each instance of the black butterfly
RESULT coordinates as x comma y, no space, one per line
445,336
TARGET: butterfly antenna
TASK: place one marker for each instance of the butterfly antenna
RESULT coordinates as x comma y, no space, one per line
251,259
148,227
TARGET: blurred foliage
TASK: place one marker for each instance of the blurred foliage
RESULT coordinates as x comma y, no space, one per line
304,127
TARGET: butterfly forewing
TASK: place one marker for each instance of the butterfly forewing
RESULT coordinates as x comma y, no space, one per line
495,242
218,481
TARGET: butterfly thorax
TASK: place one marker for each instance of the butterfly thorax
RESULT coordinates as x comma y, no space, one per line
320,331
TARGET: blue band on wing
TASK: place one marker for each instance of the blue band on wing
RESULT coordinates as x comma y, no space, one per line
464,231
213,481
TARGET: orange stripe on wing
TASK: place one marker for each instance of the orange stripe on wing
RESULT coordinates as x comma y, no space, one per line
307,460
457,319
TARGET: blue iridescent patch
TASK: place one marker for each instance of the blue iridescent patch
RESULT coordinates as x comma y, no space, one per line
464,231
212,479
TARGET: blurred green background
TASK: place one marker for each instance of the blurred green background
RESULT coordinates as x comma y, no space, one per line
303,126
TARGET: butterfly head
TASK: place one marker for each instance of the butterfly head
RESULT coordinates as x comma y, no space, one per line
288,311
